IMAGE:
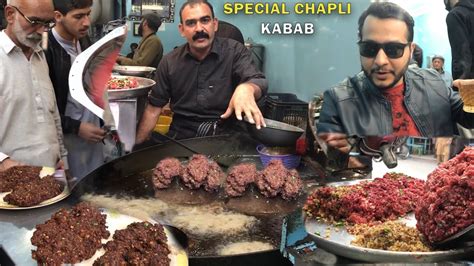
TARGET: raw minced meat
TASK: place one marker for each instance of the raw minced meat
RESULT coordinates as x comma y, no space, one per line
382,199
202,172
447,203
165,171
239,178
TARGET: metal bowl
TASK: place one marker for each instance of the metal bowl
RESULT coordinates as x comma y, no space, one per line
139,71
276,133
144,86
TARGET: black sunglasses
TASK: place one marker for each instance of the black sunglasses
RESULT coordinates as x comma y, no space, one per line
36,22
391,49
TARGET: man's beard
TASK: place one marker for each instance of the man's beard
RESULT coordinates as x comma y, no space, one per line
32,40
396,79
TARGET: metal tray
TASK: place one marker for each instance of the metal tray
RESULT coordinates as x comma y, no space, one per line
116,221
144,85
337,240
140,71
59,175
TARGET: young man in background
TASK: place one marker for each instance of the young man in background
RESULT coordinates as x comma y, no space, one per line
82,130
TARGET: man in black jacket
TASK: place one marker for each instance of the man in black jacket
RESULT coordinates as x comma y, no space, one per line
81,127
460,22
388,97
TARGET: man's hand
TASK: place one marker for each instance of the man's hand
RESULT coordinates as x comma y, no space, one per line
336,140
456,83
91,132
119,59
243,101
147,123
8,163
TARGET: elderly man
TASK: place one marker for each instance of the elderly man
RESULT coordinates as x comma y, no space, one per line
437,62
206,80
388,98
30,125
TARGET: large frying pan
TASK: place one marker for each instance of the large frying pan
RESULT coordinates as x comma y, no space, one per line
117,178
127,177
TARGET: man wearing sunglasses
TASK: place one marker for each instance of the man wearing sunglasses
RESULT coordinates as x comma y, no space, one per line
205,80
30,125
387,97
81,127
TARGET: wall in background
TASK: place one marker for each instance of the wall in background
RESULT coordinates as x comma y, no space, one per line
430,29
305,65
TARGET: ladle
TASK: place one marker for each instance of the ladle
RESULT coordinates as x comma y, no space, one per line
178,142
222,159
464,238
179,235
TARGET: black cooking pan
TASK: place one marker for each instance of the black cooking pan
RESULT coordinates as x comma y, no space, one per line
276,134
130,177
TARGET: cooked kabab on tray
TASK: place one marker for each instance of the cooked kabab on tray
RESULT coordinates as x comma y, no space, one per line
34,192
17,175
165,171
275,179
26,187
448,198
201,171
141,243
239,178
70,236
382,199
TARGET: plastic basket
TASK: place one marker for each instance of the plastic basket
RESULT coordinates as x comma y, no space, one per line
286,108
290,161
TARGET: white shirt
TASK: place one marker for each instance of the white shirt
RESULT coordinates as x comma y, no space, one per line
30,125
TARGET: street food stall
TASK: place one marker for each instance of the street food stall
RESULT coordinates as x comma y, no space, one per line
292,210
254,228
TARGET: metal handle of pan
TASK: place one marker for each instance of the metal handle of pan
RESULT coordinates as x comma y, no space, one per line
179,143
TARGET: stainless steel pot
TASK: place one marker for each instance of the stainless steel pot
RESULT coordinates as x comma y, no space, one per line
144,86
138,71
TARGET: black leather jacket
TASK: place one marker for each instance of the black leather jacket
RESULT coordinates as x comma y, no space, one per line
59,63
356,107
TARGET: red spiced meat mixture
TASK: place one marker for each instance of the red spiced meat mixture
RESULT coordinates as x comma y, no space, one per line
201,171
382,199
165,171
447,203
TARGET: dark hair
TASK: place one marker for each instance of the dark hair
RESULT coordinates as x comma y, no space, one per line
386,10
192,3
418,55
64,6
153,20
133,44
